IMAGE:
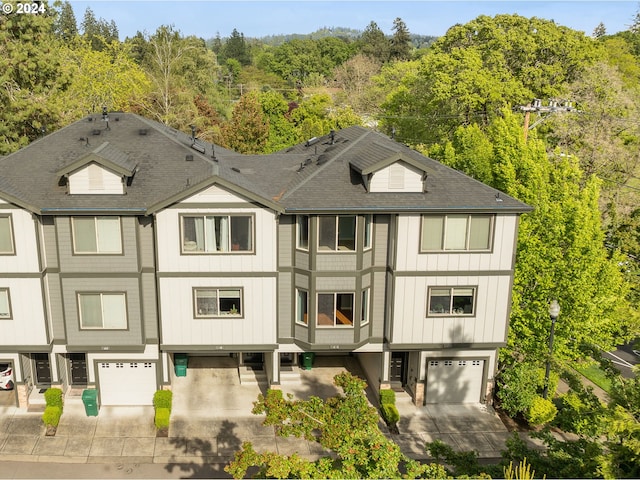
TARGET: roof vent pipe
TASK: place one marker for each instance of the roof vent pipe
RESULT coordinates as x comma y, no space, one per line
193,133
332,136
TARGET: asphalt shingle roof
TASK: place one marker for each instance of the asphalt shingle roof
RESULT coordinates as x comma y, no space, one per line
321,176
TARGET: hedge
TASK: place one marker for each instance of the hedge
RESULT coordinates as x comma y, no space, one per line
53,397
163,399
390,413
51,415
162,417
387,397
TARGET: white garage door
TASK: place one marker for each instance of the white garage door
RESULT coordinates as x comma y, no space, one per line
127,383
454,381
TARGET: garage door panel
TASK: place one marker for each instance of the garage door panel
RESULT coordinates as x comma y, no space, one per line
454,381
127,383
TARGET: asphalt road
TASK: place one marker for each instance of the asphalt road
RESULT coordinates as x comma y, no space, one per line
41,470
624,359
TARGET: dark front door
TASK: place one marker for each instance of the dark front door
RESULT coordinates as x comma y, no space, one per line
397,374
78,368
43,368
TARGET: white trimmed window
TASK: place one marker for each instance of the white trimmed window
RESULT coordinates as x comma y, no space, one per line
302,307
217,302
96,235
451,301
6,235
107,311
337,233
368,231
456,233
335,310
302,232
217,233
364,307
5,304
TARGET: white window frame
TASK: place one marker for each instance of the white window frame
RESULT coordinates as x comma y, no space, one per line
5,297
446,220
96,232
452,311
300,220
9,235
365,306
336,322
324,249
368,232
211,247
217,312
114,323
300,313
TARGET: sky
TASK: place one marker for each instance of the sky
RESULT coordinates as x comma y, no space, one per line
258,18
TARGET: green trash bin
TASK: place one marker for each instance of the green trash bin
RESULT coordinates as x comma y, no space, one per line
307,360
181,360
90,400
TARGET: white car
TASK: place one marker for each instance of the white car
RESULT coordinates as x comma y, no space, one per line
6,377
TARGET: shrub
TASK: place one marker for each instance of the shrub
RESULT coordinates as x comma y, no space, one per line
162,417
163,399
387,397
541,411
53,397
51,415
390,413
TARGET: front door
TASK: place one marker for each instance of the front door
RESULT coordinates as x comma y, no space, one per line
43,368
78,368
398,369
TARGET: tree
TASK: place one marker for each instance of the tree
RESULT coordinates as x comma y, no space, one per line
600,31
65,26
31,79
354,76
235,47
400,41
345,424
374,43
98,32
248,130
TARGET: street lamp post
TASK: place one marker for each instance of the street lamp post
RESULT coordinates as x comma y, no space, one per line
554,311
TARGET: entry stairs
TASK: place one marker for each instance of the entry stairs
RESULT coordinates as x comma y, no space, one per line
257,376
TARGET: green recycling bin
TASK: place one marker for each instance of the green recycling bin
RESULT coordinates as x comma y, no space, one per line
307,360
181,360
90,400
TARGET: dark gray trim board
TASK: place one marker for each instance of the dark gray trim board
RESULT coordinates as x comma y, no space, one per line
445,346
215,349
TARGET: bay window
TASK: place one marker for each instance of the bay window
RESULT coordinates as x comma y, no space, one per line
335,310
302,307
337,233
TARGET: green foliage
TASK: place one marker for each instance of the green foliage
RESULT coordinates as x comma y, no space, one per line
580,412
461,464
390,413
345,424
162,417
51,415
53,397
541,411
387,397
248,129
163,399
516,392
521,472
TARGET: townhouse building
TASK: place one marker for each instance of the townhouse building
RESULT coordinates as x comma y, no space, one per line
125,243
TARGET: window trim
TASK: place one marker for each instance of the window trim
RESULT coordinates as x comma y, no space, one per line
337,237
297,321
102,294
95,225
336,324
367,232
10,311
197,316
11,234
298,232
250,215
445,216
452,314
365,306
